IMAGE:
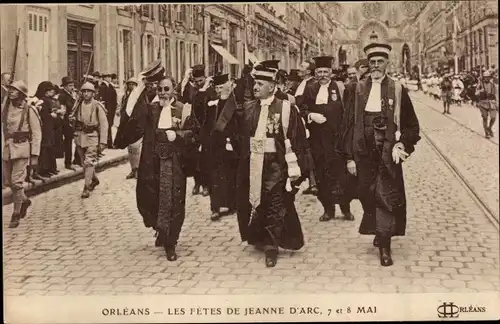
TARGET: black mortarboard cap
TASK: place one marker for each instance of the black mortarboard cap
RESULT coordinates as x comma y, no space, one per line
323,61
198,70
221,79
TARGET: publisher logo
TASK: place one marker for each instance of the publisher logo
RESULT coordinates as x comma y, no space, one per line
448,310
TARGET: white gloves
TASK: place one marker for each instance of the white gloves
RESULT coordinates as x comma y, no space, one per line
398,153
351,167
171,135
317,118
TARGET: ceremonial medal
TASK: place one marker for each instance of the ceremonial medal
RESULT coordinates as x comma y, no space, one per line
334,95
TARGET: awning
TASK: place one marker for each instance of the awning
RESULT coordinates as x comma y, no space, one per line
251,57
225,54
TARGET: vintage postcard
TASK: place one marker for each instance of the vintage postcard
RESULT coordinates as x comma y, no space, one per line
250,162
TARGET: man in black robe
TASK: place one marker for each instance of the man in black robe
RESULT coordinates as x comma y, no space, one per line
221,128
306,72
205,94
169,130
322,108
109,96
273,145
381,132
244,86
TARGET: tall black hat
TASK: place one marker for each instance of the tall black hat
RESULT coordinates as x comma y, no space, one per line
221,79
323,61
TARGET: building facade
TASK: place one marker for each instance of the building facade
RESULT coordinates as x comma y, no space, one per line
60,40
464,33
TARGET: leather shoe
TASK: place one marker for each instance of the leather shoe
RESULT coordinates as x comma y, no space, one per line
376,242
215,216
196,190
349,216
385,257
205,192
14,221
24,208
271,258
171,255
326,217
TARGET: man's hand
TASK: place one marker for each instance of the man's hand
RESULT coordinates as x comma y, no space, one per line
171,135
54,115
351,167
34,160
188,74
317,118
398,153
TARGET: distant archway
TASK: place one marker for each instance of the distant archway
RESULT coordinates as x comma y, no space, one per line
370,31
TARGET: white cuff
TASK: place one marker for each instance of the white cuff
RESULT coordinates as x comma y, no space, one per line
290,157
309,120
294,171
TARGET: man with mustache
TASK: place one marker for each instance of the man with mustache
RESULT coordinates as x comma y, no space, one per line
222,128
383,133
323,110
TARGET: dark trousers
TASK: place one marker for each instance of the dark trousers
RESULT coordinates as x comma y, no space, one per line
111,118
68,145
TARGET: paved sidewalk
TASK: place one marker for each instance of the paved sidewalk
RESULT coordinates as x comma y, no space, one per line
111,157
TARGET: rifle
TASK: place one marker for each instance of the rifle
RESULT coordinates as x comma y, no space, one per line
13,72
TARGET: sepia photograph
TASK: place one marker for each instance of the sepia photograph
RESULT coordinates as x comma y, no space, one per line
250,162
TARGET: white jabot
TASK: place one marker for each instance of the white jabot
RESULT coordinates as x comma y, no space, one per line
322,97
213,102
302,87
374,103
165,120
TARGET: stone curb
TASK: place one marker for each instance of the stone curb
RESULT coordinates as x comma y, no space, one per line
61,179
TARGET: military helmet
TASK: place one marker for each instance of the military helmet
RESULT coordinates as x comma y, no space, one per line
132,80
19,86
88,86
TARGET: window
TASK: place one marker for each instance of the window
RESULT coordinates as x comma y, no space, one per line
164,13
147,11
196,55
168,56
30,21
183,13
182,63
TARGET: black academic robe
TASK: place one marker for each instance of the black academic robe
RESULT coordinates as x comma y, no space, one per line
276,221
161,177
329,165
244,89
223,159
381,182
200,110
187,96
123,136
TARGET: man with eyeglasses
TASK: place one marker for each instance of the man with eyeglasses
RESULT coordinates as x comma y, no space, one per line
384,132
169,130
273,144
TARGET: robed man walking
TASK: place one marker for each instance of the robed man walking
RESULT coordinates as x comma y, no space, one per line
381,133
221,128
273,145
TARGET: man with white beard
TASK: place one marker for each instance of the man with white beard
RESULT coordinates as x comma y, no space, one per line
384,132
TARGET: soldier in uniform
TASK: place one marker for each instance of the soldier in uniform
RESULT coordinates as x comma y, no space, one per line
384,132
487,93
323,109
91,130
21,146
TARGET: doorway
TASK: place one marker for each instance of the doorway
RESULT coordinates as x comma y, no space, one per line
80,47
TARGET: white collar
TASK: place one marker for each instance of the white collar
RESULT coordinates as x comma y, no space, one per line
267,101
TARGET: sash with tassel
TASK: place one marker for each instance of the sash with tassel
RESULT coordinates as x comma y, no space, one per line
257,149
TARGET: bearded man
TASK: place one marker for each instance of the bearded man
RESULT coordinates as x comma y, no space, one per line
381,133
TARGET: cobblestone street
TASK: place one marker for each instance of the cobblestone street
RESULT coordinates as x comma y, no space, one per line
98,246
